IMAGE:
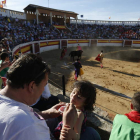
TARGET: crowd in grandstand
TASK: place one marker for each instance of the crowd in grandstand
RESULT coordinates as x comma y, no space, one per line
17,31
104,31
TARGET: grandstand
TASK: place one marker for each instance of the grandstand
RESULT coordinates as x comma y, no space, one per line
56,24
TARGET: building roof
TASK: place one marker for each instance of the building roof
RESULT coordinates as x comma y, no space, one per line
33,7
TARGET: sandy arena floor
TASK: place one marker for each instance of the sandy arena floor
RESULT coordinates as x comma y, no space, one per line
121,73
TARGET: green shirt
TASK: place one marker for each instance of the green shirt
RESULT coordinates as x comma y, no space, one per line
4,71
0,83
124,129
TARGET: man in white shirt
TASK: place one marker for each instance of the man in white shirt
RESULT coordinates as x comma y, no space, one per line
26,79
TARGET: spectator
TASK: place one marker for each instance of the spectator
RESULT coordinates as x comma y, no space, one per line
26,79
83,97
3,66
4,58
16,20
127,127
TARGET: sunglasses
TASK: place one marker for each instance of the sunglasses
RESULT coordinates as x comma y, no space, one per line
46,69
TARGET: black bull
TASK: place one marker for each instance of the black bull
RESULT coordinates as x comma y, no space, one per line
75,53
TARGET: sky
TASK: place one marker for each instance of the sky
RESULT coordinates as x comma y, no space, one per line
118,10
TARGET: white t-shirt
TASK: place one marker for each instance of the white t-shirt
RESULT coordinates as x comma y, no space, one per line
19,122
46,94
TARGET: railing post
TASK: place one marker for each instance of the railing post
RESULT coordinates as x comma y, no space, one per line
63,84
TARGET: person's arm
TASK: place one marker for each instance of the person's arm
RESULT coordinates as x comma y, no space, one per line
4,65
52,112
67,133
80,66
78,125
69,120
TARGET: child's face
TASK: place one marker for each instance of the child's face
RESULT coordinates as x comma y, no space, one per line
77,99
7,59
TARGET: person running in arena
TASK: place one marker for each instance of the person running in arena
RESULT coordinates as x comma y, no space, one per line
100,58
127,127
77,65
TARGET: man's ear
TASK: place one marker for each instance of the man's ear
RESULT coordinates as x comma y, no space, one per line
131,106
31,86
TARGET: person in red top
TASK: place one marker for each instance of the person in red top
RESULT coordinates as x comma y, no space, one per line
63,52
127,127
100,58
79,48
134,115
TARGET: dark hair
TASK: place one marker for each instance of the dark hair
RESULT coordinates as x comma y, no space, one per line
86,89
25,69
101,50
3,56
136,101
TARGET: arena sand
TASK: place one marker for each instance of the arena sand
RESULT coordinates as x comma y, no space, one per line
121,73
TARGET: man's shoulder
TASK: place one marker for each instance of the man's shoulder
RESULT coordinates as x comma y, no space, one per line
18,116
13,108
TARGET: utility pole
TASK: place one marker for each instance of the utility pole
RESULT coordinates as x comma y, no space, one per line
48,3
